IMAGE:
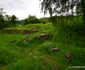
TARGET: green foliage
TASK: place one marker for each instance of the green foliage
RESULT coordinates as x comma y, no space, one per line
25,22
59,7
2,22
44,20
35,20
59,21
14,19
32,19
6,20
64,7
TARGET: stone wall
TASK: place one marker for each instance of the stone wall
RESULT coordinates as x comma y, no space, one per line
19,31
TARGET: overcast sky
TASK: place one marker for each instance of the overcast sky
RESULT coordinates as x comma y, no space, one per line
21,8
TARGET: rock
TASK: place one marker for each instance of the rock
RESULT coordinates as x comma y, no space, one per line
33,31
54,49
43,36
69,55
20,31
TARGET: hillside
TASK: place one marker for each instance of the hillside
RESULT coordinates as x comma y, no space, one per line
48,49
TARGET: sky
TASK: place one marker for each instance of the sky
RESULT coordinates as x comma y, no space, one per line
22,8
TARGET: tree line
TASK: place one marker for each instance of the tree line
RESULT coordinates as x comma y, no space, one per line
7,20
34,20
12,21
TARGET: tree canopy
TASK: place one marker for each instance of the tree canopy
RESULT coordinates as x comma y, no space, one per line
64,7
14,19
59,7
2,21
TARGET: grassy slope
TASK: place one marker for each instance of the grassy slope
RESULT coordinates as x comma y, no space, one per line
36,55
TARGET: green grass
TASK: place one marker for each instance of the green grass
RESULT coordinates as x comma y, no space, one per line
30,53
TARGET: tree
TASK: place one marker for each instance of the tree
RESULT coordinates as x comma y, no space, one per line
62,7
2,21
57,7
14,19
32,19
7,19
25,21
44,20
83,10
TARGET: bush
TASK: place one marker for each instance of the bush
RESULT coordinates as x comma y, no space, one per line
33,19
44,20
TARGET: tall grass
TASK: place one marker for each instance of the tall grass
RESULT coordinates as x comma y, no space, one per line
67,35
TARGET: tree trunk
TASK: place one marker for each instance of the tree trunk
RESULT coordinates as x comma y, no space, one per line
83,10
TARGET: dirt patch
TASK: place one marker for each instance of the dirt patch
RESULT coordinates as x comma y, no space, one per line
49,58
43,61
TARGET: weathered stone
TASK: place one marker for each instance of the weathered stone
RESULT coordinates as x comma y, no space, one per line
69,55
54,49
19,31
43,36
33,31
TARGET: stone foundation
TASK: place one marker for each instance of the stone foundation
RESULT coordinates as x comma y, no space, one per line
19,31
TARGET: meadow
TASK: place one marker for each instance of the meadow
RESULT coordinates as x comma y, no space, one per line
34,52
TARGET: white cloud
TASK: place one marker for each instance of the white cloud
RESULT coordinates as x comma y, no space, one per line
21,8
